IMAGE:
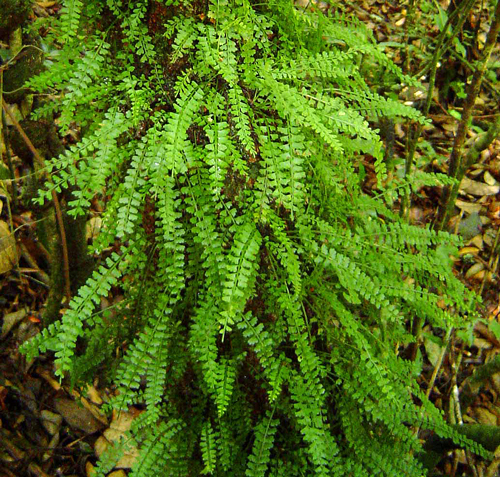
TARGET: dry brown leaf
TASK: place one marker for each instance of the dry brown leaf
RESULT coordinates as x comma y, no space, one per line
46,375
122,420
484,416
96,412
89,469
489,179
100,445
449,127
51,421
118,473
77,416
481,275
8,252
12,319
468,207
54,442
94,395
128,459
468,250
476,188
477,241
121,423
483,344
475,172
93,227
494,210
474,270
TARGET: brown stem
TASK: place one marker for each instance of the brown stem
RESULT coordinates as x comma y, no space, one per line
55,199
408,24
439,50
456,159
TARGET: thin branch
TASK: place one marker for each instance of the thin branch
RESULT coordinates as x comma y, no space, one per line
457,162
439,362
439,50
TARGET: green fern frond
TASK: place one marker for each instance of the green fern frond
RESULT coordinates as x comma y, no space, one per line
289,102
208,448
224,386
241,111
80,309
218,154
133,194
241,270
258,460
157,448
171,154
70,14
322,448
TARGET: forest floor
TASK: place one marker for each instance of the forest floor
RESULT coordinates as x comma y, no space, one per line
48,429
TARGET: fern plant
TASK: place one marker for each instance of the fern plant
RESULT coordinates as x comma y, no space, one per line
266,294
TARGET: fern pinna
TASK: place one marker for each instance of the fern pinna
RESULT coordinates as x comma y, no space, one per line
263,314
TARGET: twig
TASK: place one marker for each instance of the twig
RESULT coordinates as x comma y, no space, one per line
408,24
32,263
456,411
55,199
437,367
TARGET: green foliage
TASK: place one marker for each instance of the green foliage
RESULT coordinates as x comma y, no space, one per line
266,294
208,449
264,436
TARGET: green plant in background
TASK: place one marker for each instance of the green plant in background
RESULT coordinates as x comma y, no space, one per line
266,295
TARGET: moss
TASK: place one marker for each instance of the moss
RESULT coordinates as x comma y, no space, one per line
56,291
39,133
80,263
29,64
14,14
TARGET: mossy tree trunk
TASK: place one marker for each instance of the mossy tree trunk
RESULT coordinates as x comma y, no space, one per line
26,62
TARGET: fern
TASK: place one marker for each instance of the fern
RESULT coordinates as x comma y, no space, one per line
265,292
240,273
81,308
218,149
171,154
133,194
208,448
157,448
259,459
71,13
241,117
